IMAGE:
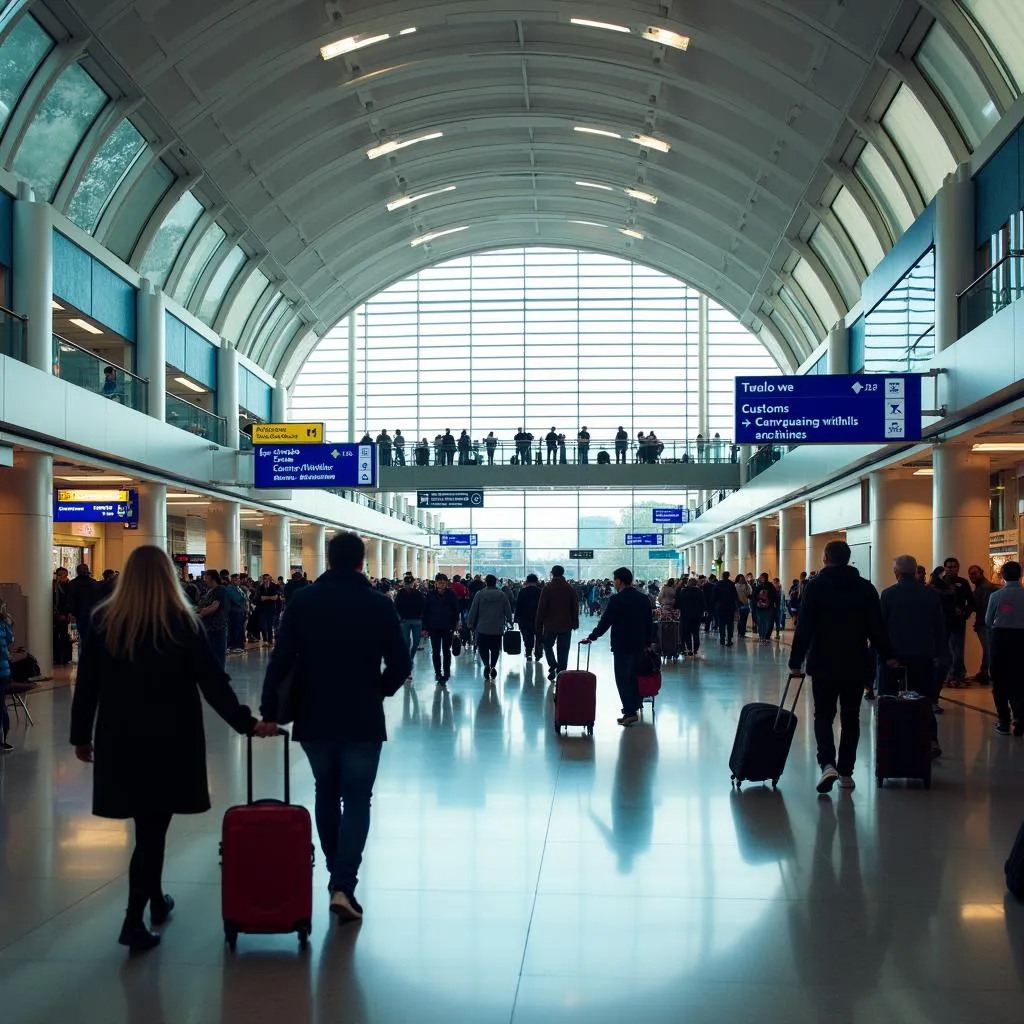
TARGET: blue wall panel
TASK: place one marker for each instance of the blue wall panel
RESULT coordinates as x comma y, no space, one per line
200,359
174,330
72,273
253,394
93,288
997,185
113,301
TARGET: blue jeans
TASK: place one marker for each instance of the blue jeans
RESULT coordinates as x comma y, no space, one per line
344,772
562,640
411,629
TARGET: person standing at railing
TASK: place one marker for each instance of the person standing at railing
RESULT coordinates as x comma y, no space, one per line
423,453
562,461
654,447
110,388
583,446
551,438
399,446
448,447
384,448
621,446
523,440
642,451
438,450
463,445
490,443
700,447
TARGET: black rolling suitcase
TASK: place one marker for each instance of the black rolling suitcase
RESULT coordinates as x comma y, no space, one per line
903,736
763,738
512,642
668,639
1014,867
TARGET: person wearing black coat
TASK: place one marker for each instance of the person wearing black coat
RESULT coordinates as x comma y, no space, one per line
708,589
440,620
137,715
331,645
526,616
725,604
83,596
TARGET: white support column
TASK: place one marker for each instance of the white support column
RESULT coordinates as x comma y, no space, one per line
375,557
26,547
224,536
151,348
227,391
280,404
276,554
745,455
707,556
747,561
33,279
352,436
731,553
314,551
839,349
792,545
153,517
767,534
960,505
900,516
387,560
954,251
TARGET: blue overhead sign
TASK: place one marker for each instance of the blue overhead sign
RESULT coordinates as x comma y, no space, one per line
458,540
315,465
449,499
665,556
828,409
670,515
95,506
641,540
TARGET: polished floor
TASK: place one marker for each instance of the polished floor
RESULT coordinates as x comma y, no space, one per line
514,875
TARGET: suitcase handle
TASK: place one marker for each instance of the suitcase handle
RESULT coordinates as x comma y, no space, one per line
579,650
287,768
785,692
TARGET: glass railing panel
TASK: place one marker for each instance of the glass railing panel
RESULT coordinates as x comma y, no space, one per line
12,334
991,292
244,441
87,370
187,416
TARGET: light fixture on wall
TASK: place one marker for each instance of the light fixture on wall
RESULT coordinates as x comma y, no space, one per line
191,385
352,43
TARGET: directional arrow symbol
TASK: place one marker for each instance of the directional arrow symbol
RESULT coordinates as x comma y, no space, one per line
858,388
746,423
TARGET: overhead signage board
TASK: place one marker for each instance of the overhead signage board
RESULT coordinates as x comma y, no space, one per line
581,554
458,540
314,465
664,516
113,506
189,559
666,556
644,540
287,433
449,499
828,409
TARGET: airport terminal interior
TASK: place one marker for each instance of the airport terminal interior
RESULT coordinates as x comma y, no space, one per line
481,282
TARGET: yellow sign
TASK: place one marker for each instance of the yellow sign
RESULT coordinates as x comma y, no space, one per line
97,497
287,433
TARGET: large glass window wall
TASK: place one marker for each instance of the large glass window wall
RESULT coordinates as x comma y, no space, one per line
899,333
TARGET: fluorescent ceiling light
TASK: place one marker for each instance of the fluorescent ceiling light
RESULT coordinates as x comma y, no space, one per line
190,502
999,446
395,144
186,383
98,479
589,223
352,43
667,37
597,131
924,472
54,304
430,236
594,184
649,142
644,197
397,204
85,325
184,494
633,233
587,23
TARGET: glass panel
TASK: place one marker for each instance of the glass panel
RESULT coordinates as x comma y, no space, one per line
882,186
21,53
94,373
1000,21
809,336
12,335
956,81
195,420
53,136
170,237
857,226
221,282
198,261
816,293
240,309
1003,284
899,333
270,326
108,169
828,251
914,134
137,208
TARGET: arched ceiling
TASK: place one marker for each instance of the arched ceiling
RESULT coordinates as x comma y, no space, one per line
751,112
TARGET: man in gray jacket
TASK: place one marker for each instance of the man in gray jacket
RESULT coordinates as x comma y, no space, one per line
489,613
917,630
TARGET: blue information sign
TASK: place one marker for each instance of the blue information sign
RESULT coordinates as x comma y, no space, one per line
66,510
665,556
458,540
644,540
315,465
828,409
449,499
670,515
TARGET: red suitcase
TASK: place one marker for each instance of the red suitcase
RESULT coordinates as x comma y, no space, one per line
576,697
267,864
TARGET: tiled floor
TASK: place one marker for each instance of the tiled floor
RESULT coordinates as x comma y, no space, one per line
513,875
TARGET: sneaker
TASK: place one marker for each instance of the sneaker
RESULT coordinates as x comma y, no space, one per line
869,693
627,720
846,782
345,907
6,747
936,749
1002,729
829,777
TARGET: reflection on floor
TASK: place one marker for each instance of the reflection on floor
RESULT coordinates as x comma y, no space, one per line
513,875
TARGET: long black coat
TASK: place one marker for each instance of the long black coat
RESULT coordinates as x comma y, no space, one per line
150,748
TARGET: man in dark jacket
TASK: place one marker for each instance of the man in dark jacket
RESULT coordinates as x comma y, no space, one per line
526,616
409,603
691,607
293,586
839,616
558,614
335,635
708,590
83,596
440,620
628,616
958,607
984,588
725,604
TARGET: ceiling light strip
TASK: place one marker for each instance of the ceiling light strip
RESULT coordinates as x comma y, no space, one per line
402,201
352,43
386,148
432,236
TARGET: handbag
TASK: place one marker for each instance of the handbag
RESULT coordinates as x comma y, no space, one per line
289,696
456,645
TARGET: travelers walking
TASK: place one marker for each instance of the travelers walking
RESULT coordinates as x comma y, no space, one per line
440,620
527,601
238,611
558,615
840,615
983,590
1005,618
333,640
489,614
765,598
708,590
409,604
83,594
137,715
726,602
213,613
269,599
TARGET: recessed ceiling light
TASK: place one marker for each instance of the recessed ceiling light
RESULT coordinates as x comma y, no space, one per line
395,144
351,43
186,383
597,131
632,233
924,472
594,184
397,204
667,37
407,31
589,223
54,304
430,236
999,446
189,503
587,23
649,142
94,479
644,197
85,325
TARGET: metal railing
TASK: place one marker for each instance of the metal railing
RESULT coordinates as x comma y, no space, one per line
12,334
244,441
765,457
564,452
196,421
991,291
87,370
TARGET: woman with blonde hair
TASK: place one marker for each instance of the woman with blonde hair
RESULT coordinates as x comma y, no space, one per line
140,675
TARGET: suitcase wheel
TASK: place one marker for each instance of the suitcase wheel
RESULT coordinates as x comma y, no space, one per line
590,732
880,780
775,783
305,931
558,728
231,936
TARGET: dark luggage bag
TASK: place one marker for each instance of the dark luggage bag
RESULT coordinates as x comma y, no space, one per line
668,639
763,738
267,864
576,697
512,642
903,737
1014,867
24,668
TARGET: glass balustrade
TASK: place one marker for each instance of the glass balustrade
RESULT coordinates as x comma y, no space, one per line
12,334
187,416
993,291
89,371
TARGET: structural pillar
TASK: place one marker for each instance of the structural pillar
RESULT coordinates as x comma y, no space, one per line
227,391
838,353
731,552
279,404
276,553
314,555
375,557
792,545
151,349
33,279
745,552
153,517
224,536
960,505
767,539
387,548
707,556
900,516
954,251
